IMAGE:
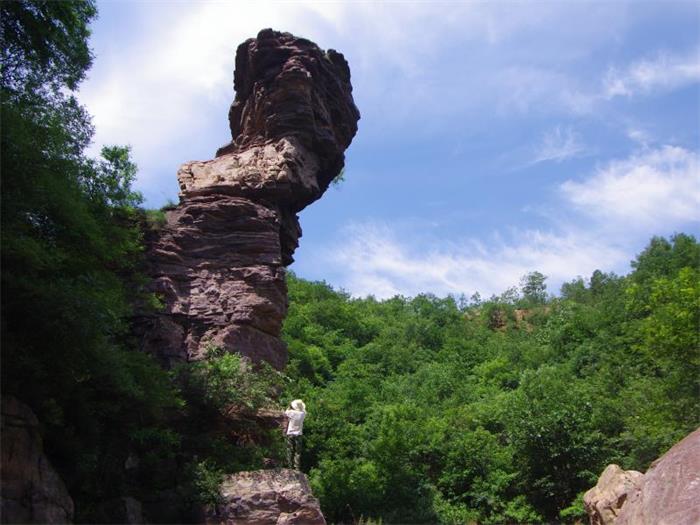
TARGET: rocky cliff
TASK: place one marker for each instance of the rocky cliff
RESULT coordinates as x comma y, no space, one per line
32,491
218,264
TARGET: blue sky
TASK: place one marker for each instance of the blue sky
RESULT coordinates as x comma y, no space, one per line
496,138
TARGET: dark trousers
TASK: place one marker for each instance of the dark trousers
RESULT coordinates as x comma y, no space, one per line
294,452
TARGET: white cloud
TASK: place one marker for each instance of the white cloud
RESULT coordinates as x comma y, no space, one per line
617,208
162,78
376,262
664,72
639,135
656,188
558,145
555,89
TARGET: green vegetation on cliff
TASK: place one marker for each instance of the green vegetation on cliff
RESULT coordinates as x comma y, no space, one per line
113,422
71,246
505,410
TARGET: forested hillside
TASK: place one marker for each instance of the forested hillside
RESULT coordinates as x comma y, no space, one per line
504,410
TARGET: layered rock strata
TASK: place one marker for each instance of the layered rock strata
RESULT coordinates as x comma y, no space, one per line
667,494
218,264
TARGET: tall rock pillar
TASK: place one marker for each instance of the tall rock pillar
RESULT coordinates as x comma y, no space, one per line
219,262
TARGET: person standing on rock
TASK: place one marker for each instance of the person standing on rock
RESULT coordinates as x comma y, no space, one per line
295,423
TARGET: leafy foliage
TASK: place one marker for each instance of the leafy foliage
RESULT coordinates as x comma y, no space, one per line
71,252
534,288
505,410
44,44
225,381
218,429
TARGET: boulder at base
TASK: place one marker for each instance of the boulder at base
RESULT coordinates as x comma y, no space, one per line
266,497
604,501
668,494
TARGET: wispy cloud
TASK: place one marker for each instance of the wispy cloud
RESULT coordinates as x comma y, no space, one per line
375,261
663,72
557,145
616,209
530,89
540,90
166,88
639,135
652,189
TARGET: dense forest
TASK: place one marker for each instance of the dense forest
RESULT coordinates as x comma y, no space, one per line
421,409
504,410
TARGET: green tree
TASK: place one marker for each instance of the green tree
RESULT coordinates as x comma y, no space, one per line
44,44
534,288
71,251
423,412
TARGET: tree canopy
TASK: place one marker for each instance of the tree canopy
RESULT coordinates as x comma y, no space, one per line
429,410
71,249
45,43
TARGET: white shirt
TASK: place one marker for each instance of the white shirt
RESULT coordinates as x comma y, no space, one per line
296,421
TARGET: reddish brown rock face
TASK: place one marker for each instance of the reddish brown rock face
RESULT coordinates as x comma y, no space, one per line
219,262
288,87
670,490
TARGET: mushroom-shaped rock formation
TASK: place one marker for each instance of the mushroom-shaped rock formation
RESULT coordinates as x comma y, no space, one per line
218,264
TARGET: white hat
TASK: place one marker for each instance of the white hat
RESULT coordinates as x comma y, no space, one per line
298,404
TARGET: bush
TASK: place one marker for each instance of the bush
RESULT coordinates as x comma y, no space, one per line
226,381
